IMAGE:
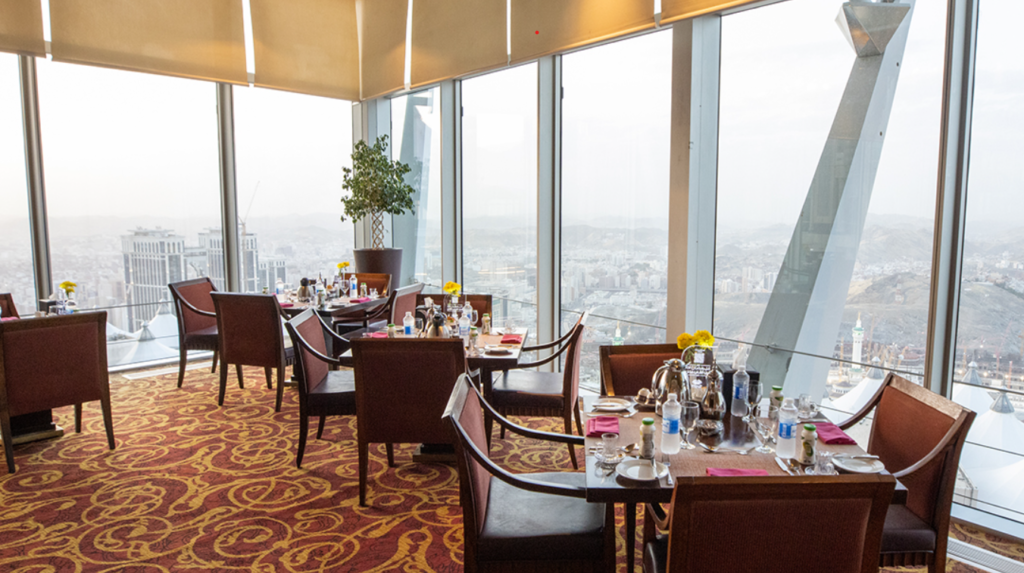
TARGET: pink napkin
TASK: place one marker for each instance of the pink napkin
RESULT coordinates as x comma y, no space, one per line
286,305
359,300
511,339
378,335
4,318
724,472
602,425
831,434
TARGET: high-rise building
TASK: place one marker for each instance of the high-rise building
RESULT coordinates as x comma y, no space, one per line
152,259
212,241
271,269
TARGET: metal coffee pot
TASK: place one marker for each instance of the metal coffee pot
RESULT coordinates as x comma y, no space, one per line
437,325
668,379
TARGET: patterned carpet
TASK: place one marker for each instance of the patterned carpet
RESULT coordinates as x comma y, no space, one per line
195,487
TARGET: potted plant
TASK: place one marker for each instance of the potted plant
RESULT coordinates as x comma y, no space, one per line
377,187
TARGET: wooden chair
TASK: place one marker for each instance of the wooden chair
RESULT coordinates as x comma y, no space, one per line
322,392
522,392
197,321
251,335
52,362
379,281
402,386
482,303
7,307
773,524
528,523
627,369
405,301
919,436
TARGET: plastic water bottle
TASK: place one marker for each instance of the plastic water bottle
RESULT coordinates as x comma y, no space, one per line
740,388
464,328
408,323
670,414
353,286
789,429
279,286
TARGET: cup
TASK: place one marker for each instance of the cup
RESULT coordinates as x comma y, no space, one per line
823,465
806,408
709,433
610,449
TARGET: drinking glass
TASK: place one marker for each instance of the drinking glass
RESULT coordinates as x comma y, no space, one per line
609,449
753,399
473,317
419,325
343,285
822,465
687,420
806,408
373,294
764,423
709,433
510,326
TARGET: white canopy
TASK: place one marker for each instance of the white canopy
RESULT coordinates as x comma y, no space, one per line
998,428
972,397
1001,488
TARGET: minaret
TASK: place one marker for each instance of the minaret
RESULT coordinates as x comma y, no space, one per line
856,373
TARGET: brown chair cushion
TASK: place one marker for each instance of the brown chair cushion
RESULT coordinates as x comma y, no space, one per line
631,372
528,389
906,533
202,339
336,395
527,526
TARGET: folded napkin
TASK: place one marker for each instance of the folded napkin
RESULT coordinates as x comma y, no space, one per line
602,425
378,335
831,434
511,339
725,472
286,305
359,300
6,318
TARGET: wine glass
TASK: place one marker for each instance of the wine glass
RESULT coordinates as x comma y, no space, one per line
688,420
343,285
753,399
765,423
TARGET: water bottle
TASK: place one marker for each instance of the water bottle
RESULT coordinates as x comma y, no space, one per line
408,323
353,286
740,387
279,286
788,430
671,411
464,328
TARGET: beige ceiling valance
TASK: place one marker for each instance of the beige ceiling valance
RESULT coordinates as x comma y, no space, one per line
307,46
382,27
201,39
21,27
455,37
542,27
672,10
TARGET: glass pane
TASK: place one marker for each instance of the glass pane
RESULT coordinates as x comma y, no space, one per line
133,195
499,173
290,149
990,335
784,71
416,141
615,169
16,275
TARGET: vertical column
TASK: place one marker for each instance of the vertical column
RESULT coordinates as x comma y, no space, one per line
451,181
549,196
693,174
951,199
34,177
228,187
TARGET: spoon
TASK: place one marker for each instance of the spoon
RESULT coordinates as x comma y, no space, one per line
725,450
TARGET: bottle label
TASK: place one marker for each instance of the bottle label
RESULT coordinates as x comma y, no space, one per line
739,393
786,430
408,330
670,425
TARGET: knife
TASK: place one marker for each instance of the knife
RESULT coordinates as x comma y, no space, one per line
783,465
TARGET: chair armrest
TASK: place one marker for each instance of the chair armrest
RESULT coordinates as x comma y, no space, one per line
528,432
319,356
535,363
556,342
662,520
189,306
937,451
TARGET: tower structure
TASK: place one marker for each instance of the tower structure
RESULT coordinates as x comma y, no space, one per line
152,259
856,372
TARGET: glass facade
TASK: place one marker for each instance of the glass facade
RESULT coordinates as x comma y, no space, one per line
16,276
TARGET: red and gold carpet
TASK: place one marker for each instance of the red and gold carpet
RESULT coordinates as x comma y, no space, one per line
192,486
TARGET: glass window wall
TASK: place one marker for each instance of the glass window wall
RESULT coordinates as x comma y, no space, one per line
16,276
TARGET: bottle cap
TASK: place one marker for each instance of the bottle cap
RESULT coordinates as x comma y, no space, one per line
777,388
648,421
472,328
787,402
672,397
408,313
810,427
391,326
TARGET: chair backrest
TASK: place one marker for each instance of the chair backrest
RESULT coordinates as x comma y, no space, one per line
250,329
627,369
195,292
915,429
7,308
402,386
571,368
379,281
405,301
53,361
466,417
778,524
482,303
307,333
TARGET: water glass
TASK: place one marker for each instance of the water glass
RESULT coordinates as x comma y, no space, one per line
753,399
687,420
510,326
766,419
709,433
609,453
373,294
806,408
823,465
343,285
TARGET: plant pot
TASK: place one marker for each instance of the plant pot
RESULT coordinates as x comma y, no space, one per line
380,261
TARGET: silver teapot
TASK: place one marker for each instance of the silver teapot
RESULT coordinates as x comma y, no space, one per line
437,324
669,379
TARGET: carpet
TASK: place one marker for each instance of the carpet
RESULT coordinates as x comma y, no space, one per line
193,486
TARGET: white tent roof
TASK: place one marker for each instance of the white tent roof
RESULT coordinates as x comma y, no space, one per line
972,397
1002,487
999,428
164,326
146,349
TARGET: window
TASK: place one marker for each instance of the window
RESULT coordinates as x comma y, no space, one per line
615,170
133,195
416,141
499,159
784,71
290,150
990,333
16,276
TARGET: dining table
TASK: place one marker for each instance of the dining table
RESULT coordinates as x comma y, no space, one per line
604,485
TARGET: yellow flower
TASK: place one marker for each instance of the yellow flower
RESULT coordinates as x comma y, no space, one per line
704,338
452,288
684,341
68,286
343,265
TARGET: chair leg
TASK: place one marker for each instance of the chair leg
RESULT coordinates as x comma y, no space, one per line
280,389
181,364
8,438
364,454
502,430
937,563
223,384
78,418
213,369
108,419
572,448
238,370
579,423
303,430
320,427
391,454
268,372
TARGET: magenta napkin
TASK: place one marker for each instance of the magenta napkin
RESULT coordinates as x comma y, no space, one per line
602,425
511,339
724,472
831,434
378,335
3,318
286,305
359,300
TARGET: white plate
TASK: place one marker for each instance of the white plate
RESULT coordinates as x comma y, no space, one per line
497,349
858,466
611,405
641,470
